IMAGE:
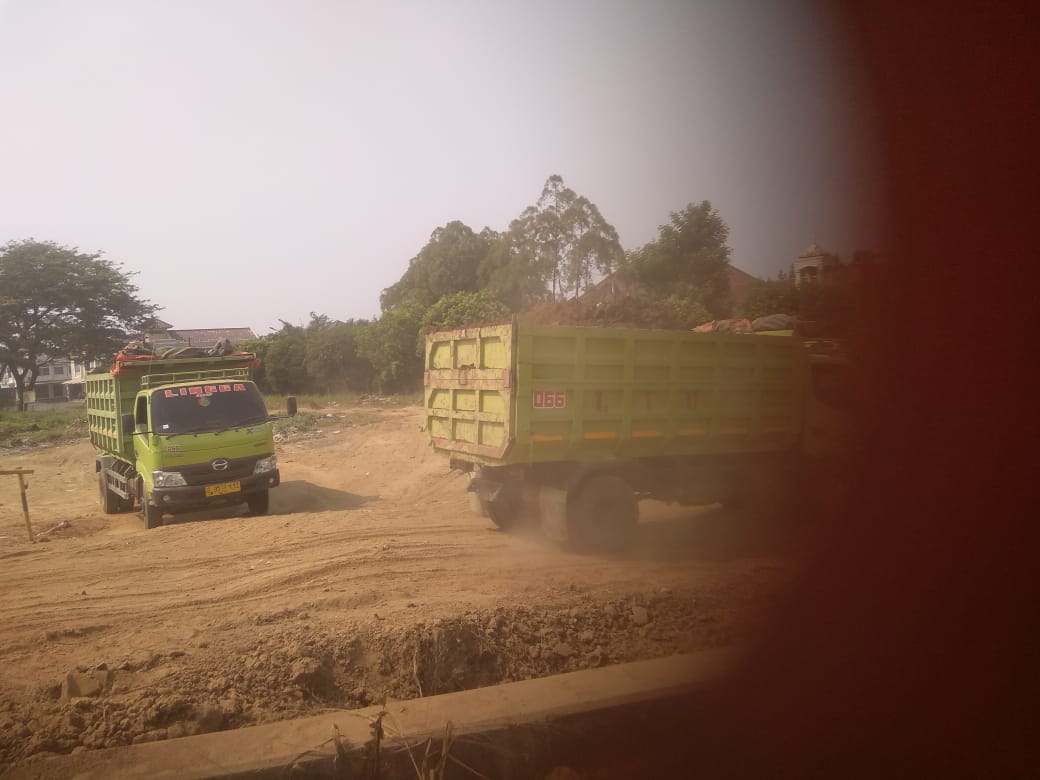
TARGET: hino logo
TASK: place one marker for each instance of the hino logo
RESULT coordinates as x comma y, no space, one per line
219,464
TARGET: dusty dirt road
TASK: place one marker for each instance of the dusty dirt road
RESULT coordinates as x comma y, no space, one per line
369,578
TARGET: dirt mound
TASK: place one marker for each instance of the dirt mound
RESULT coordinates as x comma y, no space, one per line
369,578
628,312
301,671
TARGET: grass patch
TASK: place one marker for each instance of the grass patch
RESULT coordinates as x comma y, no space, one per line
315,401
69,422
40,426
325,421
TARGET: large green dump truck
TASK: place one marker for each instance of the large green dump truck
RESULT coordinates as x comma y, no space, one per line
576,424
180,434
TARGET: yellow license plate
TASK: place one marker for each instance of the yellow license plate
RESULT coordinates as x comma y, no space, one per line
223,489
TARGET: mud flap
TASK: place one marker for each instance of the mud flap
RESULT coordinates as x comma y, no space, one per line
552,509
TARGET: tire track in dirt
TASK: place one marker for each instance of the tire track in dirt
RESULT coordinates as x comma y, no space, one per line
369,534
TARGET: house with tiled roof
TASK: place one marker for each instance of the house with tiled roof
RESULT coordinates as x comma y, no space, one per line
62,378
162,335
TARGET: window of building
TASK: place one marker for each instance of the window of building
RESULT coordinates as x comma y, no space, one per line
44,371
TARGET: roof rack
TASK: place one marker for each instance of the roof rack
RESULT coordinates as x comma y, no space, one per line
149,381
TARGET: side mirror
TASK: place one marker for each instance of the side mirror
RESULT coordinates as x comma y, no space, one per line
126,421
290,405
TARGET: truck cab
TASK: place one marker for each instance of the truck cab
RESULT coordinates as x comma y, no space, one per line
195,443
182,434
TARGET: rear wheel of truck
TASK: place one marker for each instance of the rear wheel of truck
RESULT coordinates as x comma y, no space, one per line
110,503
505,510
258,502
602,516
152,515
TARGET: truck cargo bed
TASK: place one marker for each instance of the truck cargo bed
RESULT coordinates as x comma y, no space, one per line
513,393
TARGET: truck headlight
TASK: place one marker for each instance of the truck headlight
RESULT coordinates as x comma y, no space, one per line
270,463
168,479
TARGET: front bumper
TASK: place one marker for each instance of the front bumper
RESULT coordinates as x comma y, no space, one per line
171,498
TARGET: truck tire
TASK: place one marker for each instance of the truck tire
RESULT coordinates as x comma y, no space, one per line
110,503
602,515
152,515
505,511
259,502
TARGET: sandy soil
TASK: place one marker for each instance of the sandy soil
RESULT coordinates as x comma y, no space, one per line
369,578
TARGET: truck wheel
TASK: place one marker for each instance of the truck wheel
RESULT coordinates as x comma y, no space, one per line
602,516
152,515
110,503
506,509
258,502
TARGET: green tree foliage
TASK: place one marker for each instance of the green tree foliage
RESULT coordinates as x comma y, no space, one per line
834,306
510,272
389,345
688,313
332,360
258,347
285,353
321,357
57,301
462,309
392,345
688,259
771,297
554,249
453,260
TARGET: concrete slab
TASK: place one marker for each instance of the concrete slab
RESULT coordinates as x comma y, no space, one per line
267,750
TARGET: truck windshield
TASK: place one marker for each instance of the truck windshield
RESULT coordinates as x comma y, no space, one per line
200,408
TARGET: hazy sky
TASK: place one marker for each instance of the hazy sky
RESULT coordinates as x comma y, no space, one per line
255,161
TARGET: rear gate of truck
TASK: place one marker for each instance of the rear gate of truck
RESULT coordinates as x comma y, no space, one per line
469,390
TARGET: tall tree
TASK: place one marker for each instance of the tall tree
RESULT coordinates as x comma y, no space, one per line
285,371
389,344
57,301
559,244
332,360
689,259
450,262
515,270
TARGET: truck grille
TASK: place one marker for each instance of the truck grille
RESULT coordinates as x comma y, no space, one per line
205,474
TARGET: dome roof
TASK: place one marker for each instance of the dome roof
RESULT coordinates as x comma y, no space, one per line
813,250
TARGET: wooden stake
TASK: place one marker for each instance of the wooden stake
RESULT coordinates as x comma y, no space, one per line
22,487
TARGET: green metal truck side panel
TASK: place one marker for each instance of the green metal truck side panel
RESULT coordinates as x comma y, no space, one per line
109,397
524,394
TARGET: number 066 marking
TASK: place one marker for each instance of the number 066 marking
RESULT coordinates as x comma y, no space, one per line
550,399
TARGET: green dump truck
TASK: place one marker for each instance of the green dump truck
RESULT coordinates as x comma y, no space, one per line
180,434
576,424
